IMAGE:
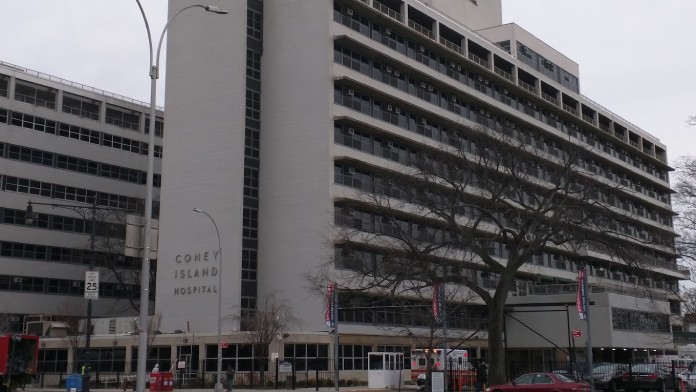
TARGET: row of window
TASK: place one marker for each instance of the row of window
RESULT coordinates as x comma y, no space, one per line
58,254
240,357
366,180
43,96
398,116
399,228
38,285
391,149
71,163
635,320
399,312
81,106
547,67
454,102
113,230
450,66
62,192
250,213
35,95
41,124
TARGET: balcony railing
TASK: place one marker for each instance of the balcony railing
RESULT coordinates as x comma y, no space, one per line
74,84
388,11
505,74
588,119
527,86
421,29
451,45
549,98
478,60
570,109
571,288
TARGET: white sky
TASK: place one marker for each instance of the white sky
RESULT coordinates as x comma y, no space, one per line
637,57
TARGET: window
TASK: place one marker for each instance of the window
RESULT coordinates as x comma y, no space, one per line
254,24
4,83
159,126
354,357
52,360
155,355
81,106
109,360
253,65
253,104
250,222
634,320
308,356
35,94
123,118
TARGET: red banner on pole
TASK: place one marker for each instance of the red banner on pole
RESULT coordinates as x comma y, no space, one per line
437,302
581,296
329,314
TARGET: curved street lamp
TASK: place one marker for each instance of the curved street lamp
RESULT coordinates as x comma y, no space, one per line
218,382
147,237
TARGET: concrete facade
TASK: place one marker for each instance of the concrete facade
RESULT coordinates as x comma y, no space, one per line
301,79
65,143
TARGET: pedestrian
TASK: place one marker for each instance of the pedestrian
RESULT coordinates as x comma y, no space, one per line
230,378
481,376
156,368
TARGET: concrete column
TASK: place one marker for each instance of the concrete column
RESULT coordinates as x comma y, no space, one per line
102,112
11,87
59,100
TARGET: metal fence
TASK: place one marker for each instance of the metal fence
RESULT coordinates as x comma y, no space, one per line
661,375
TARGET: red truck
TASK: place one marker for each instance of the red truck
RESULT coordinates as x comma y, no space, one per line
19,356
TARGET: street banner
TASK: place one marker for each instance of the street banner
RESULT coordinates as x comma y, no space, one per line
581,296
330,311
437,302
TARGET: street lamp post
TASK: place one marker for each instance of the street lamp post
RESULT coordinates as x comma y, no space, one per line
29,218
147,236
218,382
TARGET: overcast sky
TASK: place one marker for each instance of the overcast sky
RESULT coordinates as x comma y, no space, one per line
637,57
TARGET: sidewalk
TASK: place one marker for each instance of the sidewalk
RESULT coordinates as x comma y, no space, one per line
363,388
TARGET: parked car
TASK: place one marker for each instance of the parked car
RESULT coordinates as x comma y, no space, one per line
605,376
647,376
577,371
540,382
689,381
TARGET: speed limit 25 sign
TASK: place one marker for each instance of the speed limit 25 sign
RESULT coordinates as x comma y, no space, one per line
92,284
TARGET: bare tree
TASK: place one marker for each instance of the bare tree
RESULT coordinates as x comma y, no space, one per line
268,322
6,323
684,203
69,313
417,318
475,213
125,270
153,324
687,298
109,245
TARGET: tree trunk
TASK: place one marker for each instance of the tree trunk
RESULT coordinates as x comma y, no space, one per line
496,348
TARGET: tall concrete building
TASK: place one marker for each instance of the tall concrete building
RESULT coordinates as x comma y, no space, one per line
279,111
68,144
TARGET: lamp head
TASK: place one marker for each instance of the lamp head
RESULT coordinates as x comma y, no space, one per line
216,10
197,210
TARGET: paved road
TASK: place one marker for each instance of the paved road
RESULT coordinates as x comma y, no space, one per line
324,389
